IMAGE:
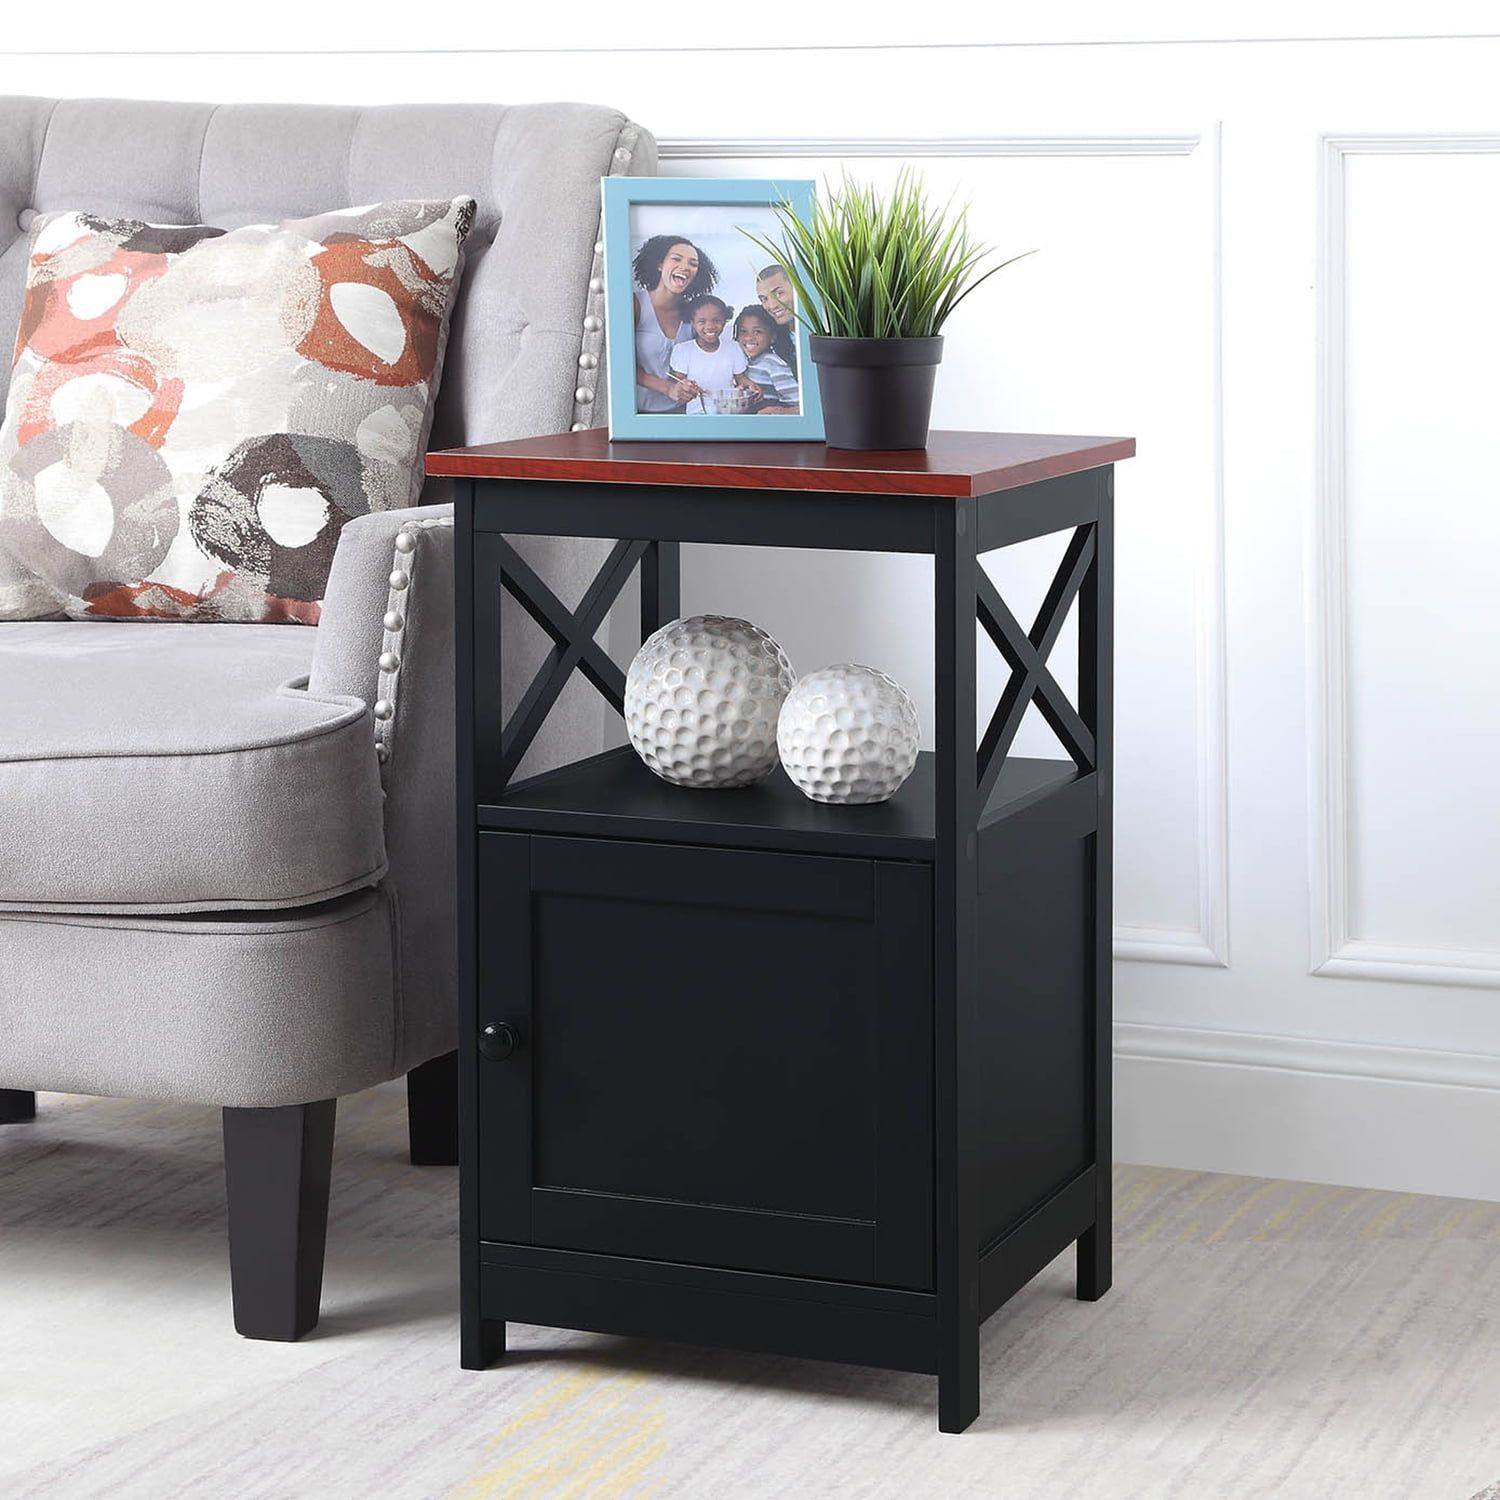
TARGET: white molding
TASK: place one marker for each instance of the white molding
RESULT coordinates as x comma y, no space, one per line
1212,634
1400,1119
1469,969
593,29
1246,1049
1335,953
737,148
1410,143
1207,944
1167,945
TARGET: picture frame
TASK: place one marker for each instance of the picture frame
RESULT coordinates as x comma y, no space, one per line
751,378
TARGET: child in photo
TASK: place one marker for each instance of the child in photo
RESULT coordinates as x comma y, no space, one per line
755,333
710,362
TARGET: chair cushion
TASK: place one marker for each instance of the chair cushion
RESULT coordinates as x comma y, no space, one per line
253,1009
175,768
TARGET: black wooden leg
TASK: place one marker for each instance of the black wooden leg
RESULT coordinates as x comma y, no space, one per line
481,1341
955,891
432,1112
1096,706
16,1105
1094,1263
277,1165
481,715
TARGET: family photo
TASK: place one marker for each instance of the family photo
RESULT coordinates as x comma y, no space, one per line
712,320
714,332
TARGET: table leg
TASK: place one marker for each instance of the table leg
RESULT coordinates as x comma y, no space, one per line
954,994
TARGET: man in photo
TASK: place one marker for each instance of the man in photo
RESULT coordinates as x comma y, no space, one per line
774,288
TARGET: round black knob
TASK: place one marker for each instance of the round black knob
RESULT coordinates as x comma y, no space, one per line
497,1040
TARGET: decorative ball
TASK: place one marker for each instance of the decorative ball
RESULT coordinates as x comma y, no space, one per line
848,734
701,700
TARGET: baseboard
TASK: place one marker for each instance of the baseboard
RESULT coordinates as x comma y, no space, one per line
1397,1118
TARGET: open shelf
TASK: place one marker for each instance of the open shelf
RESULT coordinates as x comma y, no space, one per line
613,795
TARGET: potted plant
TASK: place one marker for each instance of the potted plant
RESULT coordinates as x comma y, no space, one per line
875,280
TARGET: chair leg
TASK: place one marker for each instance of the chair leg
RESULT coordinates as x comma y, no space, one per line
277,1166
432,1112
16,1105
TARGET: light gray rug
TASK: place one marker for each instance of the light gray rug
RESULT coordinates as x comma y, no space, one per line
1263,1339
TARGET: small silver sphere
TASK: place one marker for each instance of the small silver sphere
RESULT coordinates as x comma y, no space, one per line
384,709
398,580
405,542
389,662
848,734
591,324
583,395
701,700
393,621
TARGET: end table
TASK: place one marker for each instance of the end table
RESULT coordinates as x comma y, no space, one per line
742,1069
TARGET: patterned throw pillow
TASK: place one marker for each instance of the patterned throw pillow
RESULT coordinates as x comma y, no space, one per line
194,414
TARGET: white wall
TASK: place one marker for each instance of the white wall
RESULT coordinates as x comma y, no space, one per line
1267,248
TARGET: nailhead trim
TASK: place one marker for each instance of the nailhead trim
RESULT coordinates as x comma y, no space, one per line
393,624
591,354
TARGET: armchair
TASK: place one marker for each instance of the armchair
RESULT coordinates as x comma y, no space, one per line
229,877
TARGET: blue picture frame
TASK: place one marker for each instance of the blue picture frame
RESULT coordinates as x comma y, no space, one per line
622,230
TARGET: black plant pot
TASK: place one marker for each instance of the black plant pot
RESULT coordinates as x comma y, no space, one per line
877,393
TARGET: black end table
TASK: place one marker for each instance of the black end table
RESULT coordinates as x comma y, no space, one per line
742,1069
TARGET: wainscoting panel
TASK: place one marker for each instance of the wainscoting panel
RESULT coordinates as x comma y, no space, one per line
1406,815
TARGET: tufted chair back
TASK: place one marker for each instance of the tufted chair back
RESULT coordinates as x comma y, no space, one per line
520,359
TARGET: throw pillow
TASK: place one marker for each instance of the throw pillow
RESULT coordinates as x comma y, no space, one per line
194,414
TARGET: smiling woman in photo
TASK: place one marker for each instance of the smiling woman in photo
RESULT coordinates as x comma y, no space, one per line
670,272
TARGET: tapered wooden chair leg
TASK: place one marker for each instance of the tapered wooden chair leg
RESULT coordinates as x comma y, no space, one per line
277,1167
432,1112
16,1105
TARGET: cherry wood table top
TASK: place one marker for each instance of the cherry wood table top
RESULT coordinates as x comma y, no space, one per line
957,464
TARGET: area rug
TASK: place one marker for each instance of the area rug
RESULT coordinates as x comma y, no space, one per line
1262,1339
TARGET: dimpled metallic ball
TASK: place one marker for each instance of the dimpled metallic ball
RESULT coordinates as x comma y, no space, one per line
848,734
701,700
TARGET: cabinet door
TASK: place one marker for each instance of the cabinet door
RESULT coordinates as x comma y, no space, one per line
724,1057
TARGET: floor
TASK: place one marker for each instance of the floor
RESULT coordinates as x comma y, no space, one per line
1263,1339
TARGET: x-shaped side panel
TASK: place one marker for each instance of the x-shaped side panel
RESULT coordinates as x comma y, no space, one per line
573,643
1026,653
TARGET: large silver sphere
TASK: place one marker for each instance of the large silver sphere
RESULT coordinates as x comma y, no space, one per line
701,700
848,734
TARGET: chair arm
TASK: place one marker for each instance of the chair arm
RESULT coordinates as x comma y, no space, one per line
391,584
386,635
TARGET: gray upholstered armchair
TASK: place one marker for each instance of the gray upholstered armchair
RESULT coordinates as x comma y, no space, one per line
227,876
